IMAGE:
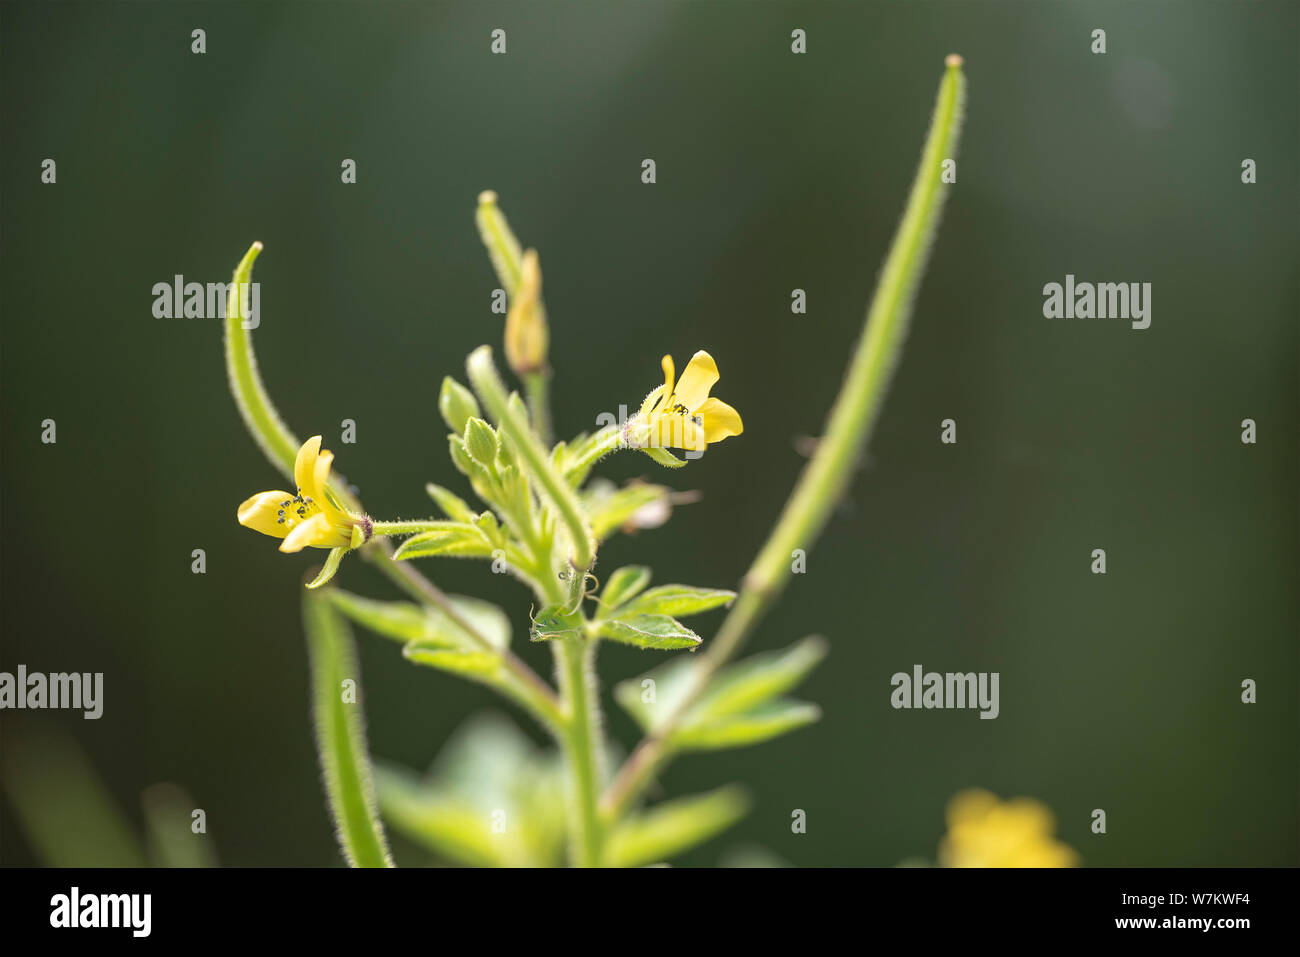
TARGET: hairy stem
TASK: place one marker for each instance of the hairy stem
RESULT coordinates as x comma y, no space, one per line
537,391
850,424
487,383
583,747
523,684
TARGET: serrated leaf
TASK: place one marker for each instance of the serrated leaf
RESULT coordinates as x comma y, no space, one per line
678,600
452,505
749,727
759,678
341,734
624,584
649,631
454,541
675,826
480,665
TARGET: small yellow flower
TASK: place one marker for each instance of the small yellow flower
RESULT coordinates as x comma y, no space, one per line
986,832
682,415
310,517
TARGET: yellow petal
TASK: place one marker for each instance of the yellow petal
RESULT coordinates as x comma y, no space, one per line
720,420
698,378
261,513
318,532
320,476
652,400
666,363
304,466
677,432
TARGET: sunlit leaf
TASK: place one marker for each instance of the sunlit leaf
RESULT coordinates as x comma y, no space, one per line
649,631
678,600
624,584
746,728
455,541
760,678
675,826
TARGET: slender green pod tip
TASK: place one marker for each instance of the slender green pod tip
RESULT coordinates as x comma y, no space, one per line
502,246
847,430
270,433
867,380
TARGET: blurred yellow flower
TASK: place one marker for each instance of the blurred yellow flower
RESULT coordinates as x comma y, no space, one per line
681,414
986,832
309,518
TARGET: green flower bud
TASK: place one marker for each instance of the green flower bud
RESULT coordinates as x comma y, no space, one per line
457,405
481,443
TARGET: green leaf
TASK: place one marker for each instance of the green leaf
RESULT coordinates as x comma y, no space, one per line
649,631
483,616
656,694
750,727
553,622
452,505
675,826
402,620
488,766
454,541
624,584
609,509
733,692
481,665
331,566
341,735
445,824
678,600
663,457
760,678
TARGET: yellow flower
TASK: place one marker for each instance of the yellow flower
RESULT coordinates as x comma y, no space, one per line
682,415
310,517
986,832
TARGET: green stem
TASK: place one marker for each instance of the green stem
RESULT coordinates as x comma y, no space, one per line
413,527
537,389
522,683
854,414
492,392
607,440
582,746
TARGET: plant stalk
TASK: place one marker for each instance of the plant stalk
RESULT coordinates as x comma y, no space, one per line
852,418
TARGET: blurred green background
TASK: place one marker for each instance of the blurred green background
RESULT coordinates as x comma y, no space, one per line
775,172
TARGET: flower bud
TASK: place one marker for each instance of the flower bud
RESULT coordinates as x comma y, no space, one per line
527,336
457,405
